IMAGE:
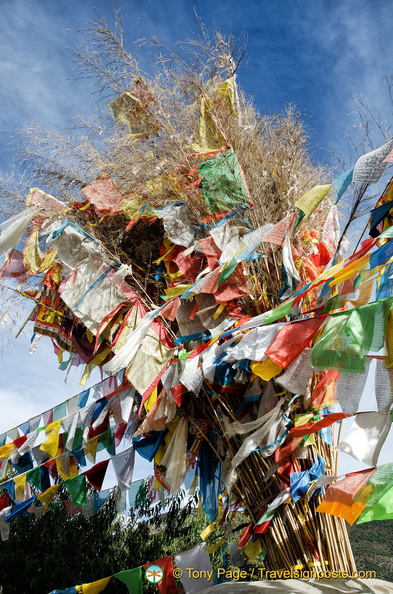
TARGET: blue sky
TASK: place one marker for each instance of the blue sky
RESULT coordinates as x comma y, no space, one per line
313,53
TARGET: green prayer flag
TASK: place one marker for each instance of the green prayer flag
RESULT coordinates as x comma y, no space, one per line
388,233
377,495
279,312
105,440
3,439
141,496
299,219
132,578
78,438
348,337
222,183
227,270
34,477
383,510
77,489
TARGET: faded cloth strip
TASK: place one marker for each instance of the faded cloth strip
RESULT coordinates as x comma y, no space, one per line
270,425
13,229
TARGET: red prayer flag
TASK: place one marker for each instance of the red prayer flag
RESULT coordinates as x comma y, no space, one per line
291,340
315,426
168,583
96,474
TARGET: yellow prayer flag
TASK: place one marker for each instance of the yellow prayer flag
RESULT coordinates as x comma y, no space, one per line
266,369
166,185
226,92
131,206
7,450
47,496
20,484
302,419
129,111
33,256
365,292
47,261
214,547
90,449
95,587
150,402
207,531
350,270
66,470
253,549
176,291
51,444
219,311
210,136
311,199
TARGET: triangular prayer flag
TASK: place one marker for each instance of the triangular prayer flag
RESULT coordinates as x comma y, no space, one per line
96,474
90,449
377,495
107,441
281,230
19,510
77,489
340,499
132,578
51,444
96,587
123,465
47,496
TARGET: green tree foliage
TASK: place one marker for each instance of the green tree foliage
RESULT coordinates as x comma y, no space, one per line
56,551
